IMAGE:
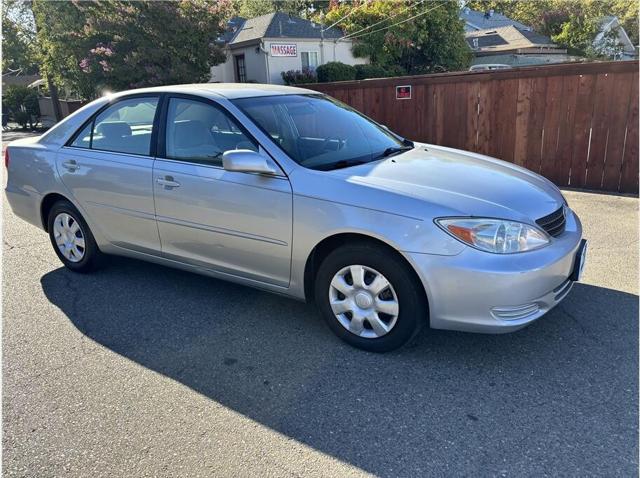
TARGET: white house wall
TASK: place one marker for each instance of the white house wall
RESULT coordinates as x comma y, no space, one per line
255,67
223,73
258,71
330,51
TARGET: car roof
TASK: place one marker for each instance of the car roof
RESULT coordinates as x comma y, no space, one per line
226,90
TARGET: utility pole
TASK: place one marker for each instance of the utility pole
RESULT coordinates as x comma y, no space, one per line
322,38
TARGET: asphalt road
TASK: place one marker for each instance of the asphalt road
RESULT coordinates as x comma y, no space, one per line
140,370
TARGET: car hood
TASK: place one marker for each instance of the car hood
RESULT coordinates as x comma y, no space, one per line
460,183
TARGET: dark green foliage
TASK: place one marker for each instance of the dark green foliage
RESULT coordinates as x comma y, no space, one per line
335,71
299,77
22,105
114,45
19,53
376,71
420,37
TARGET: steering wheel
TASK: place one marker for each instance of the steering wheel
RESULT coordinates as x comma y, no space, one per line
327,142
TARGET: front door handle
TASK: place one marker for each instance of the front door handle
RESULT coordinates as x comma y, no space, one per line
70,165
168,182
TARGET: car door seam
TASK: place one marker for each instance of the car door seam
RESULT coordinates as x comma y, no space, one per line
229,232
155,209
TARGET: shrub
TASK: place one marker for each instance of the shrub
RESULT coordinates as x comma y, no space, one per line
22,105
396,70
335,71
371,71
298,77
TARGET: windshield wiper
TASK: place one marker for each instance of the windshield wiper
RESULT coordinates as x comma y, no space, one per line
343,163
394,150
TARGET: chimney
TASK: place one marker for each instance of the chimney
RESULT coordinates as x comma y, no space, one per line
467,10
280,26
491,12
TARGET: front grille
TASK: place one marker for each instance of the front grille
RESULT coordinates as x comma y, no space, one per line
554,223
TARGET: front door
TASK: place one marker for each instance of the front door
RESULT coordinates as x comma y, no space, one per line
108,169
231,222
241,72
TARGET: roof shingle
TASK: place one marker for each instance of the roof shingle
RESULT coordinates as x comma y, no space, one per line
506,38
280,25
481,21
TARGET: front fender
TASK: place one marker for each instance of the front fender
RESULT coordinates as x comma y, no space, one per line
317,219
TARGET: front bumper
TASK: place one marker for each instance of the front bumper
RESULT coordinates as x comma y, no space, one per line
476,291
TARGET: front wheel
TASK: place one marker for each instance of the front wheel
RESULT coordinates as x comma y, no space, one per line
370,297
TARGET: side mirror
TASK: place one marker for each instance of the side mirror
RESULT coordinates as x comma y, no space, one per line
246,161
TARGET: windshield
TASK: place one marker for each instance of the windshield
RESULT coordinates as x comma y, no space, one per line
318,132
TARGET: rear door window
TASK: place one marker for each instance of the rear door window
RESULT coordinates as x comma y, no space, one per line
124,127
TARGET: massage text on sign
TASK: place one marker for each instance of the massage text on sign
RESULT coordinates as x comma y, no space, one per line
281,49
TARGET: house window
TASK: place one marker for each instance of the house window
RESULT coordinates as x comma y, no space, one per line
241,72
309,59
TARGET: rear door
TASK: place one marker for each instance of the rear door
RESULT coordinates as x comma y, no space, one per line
108,168
231,222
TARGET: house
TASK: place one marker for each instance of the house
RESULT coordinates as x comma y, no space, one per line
612,40
510,40
511,46
260,49
498,40
18,79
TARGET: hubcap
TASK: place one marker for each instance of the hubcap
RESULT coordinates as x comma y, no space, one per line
69,237
364,301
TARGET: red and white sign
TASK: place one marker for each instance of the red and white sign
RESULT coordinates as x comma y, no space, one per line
284,49
403,92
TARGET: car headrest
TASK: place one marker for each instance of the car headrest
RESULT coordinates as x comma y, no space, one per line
113,129
191,133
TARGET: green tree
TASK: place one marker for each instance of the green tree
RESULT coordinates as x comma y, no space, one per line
19,53
22,105
301,8
384,32
91,46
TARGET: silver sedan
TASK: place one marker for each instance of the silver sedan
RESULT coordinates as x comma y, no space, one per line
291,191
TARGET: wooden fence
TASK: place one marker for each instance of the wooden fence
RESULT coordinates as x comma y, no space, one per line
576,124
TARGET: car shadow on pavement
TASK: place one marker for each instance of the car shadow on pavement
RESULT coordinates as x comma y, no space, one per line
558,393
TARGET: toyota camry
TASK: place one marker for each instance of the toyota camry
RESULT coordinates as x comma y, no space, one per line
291,191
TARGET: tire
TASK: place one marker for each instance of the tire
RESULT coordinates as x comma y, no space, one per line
404,288
84,256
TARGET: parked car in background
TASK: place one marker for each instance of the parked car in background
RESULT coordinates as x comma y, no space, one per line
489,66
293,192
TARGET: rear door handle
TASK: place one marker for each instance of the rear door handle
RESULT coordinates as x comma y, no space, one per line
168,182
70,165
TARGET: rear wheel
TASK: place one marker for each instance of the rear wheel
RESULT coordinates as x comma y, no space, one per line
370,298
71,238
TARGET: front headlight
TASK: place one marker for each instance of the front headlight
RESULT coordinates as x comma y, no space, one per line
495,235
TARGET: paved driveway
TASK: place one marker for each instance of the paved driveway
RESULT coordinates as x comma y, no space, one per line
140,370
